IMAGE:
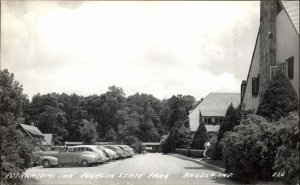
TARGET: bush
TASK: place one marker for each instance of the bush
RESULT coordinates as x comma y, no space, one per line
279,99
164,145
211,152
287,157
249,150
200,137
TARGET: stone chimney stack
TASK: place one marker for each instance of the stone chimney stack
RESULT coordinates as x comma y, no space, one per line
268,12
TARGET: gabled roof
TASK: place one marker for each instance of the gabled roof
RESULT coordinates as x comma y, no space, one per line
292,9
216,104
32,130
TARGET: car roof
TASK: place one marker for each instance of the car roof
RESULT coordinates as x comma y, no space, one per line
87,146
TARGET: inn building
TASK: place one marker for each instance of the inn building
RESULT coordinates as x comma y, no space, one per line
212,110
276,48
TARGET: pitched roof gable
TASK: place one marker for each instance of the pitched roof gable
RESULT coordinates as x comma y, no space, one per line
32,130
216,104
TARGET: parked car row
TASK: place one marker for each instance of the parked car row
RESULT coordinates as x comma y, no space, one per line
84,155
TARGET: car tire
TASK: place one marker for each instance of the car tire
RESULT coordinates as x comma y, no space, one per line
84,163
46,163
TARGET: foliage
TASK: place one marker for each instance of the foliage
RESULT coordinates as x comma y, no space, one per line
52,120
279,99
179,136
16,150
111,135
287,157
249,149
211,151
179,107
231,119
164,144
135,143
201,136
88,133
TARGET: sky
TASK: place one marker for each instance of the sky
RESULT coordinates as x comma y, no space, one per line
162,48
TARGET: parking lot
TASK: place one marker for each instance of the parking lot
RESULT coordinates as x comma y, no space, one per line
152,168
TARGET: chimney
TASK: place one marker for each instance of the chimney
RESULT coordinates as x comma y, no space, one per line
243,89
32,123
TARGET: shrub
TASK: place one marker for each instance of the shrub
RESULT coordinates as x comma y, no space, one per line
249,149
200,137
279,99
211,152
164,145
287,157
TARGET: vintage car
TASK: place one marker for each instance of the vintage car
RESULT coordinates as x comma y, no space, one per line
111,153
57,148
95,148
126,152
82,155
129,149
116,149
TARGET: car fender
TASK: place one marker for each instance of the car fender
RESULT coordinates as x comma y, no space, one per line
91,158
53,160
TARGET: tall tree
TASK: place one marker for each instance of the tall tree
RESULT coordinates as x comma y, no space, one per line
88,133
15,148
52,120
201,136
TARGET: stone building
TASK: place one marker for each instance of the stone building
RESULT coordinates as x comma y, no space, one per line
276,48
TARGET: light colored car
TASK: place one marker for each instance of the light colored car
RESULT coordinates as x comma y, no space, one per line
111,153
129,149
127,153
117,149
57,148
81,155
95,148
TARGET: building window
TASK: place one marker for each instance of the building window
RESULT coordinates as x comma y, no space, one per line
290,72
218,121
255,86
208,121
283,67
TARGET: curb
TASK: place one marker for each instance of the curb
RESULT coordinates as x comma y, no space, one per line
222,170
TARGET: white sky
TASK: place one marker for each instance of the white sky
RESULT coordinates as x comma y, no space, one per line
160,48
